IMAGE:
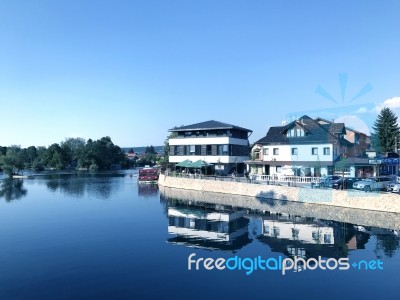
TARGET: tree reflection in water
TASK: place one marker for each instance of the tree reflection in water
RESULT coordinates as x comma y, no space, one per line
78,185
12,189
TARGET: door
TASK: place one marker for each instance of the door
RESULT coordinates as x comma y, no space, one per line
266,170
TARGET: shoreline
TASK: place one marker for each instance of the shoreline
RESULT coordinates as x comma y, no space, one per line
325,197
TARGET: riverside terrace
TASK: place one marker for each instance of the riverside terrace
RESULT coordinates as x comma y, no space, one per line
295,191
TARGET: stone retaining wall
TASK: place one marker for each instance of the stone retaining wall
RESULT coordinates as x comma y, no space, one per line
350,199
340,214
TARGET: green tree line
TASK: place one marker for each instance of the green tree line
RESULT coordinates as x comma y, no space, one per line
73,153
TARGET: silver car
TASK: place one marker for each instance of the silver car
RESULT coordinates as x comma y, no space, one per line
372,184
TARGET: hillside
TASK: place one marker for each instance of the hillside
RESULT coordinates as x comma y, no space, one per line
140,150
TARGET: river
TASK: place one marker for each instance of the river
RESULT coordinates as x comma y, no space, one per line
104,236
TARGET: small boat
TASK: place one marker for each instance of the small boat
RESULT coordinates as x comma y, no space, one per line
148,175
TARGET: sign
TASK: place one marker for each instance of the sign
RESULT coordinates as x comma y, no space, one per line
375,161
391,161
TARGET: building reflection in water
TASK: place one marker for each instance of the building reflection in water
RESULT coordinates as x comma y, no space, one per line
207,226
307,237
218,227
147,189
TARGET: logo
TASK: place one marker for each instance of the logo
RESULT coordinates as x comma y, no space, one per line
281,264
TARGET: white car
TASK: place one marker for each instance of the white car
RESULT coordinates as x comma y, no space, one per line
372,184
394,187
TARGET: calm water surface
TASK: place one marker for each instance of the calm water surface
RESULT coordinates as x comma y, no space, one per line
106,237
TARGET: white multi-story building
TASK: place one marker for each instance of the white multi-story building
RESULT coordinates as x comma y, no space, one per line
224,145
302,148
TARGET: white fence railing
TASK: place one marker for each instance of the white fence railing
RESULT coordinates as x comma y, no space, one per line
285,178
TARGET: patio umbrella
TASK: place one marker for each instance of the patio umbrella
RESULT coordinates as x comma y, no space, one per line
199,164
184,164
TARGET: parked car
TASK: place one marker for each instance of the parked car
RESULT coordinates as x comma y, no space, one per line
393,187
344,183
373,184
329,180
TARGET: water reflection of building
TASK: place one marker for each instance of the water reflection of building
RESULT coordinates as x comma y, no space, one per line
215,226
147,189
207,226
307,237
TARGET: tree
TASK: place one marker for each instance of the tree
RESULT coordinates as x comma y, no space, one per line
150,150
317,168
40,161
3,150
73,148
56,157
101,155
166,146
30,155
12,162
341,166
386,130
149,157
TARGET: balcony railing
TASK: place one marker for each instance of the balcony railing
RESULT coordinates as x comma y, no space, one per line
253,178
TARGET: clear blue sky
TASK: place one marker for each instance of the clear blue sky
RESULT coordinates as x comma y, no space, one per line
133,69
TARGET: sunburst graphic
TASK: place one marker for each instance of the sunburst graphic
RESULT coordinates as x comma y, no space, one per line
343,78
346,110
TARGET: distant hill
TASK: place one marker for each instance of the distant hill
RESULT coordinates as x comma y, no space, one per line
140,150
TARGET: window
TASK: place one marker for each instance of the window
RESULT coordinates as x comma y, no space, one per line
276,151
327,151
294,151
186,150
295,233
266,229
219,149
327,239
208,150
295,132
225,150
222,150
276,231
256,154
266,151
197,150
176,152
188,133
299,132
192,149
315,235
278,169
314,151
